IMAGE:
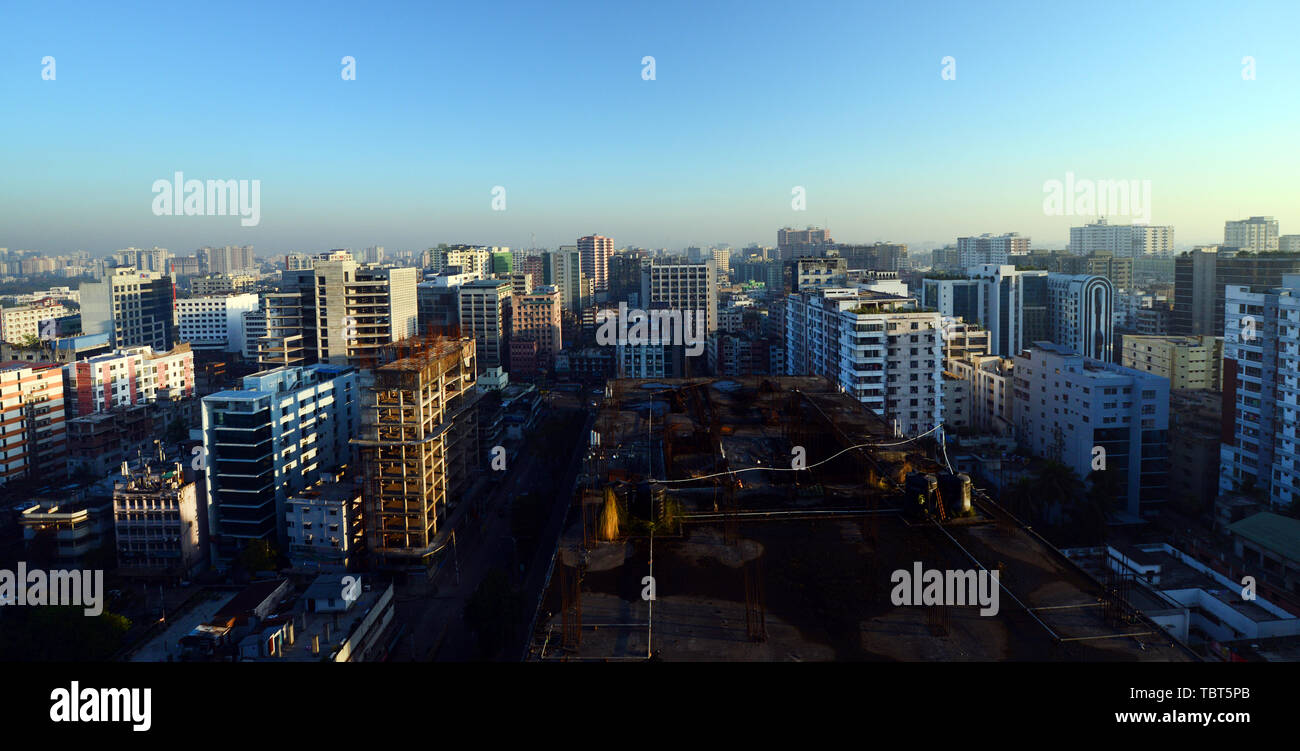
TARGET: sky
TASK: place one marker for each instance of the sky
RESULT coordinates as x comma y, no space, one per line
749,101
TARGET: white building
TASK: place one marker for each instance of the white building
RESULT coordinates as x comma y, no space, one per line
1085,412
877,347
992,392
1081,309
269,440
1257,234
1124,240
215,323
682,286
990,249
1261,356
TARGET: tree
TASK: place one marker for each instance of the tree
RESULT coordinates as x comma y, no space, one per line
258,555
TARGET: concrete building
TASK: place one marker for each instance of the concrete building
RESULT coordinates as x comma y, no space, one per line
684,287
992,392
1189,362
33,434
215,323
1068,406
339,312
878,348
1081,309
1257,234
418,450
989,249
595,251
127,376
324,523
269,440
135,307
35,321
563,269
810,273
1201,276
1261,391
1123,240
156,522
536,318
218,285
486,307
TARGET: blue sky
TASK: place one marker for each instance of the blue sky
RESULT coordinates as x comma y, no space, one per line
750,99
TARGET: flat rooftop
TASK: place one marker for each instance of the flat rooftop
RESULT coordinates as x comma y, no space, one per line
754,561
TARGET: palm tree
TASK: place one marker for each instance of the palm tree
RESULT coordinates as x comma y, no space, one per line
1057,490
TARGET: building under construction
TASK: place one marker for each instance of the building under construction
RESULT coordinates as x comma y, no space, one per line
768,518
418,446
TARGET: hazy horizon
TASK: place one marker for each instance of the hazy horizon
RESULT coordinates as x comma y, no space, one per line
748,102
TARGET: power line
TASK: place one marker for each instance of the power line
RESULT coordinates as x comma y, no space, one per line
803,469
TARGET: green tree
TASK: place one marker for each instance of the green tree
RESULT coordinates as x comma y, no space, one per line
258,555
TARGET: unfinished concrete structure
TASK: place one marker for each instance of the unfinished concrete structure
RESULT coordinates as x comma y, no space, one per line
418,446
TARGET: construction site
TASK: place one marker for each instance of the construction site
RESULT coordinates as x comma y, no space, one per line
763,518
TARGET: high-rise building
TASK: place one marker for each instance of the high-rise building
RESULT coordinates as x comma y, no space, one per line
1189,362
1257,234
228,259
990,249
1261,390
1289,243
536,318
1081,309
1013,306
215,323
134,307
992,403
875,257
809,273
269,440
1084,412
324,523
339,312
877,347
33,437
596,250
1201,275
625,279
797,243
485,316
685,287
563,270
418,449
1123,240
126,376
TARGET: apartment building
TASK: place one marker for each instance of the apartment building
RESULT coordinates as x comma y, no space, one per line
486,307
222,284
268,440
156,521
127,376
339,312
1258,234
989,249
215,323
1189,362
681,286
536,318
992,391
1123,240
1261,392
33,437
35,321
1081,411
135,307
324,523
877,347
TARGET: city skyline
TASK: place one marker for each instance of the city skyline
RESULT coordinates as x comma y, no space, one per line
888,140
